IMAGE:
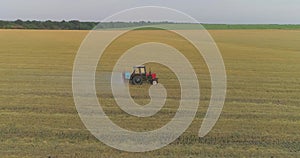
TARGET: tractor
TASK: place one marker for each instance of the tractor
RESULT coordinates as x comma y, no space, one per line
140,75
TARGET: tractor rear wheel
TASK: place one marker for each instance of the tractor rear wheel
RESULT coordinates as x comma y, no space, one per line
137,80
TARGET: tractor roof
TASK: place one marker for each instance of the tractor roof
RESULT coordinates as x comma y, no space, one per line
139,66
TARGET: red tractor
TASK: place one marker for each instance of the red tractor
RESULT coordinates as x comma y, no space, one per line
140,75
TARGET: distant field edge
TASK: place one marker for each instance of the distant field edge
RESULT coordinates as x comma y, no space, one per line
251,26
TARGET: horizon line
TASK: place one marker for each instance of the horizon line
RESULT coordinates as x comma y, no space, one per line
170,22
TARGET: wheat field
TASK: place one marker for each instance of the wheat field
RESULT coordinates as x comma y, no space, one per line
261,115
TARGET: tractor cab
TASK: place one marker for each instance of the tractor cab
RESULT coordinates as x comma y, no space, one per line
139,70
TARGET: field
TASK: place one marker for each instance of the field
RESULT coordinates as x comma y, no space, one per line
261,115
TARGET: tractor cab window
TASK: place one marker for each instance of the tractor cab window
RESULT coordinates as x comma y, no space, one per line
143,71
136,71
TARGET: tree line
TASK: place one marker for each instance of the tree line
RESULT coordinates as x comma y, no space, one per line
79,25
67,25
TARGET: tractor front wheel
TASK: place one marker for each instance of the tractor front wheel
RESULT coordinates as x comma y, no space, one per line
154,82
137,80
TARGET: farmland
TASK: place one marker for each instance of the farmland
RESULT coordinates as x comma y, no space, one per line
261,115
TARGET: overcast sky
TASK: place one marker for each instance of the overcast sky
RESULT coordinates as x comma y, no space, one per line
205,11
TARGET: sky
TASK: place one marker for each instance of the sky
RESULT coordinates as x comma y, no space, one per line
205,11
